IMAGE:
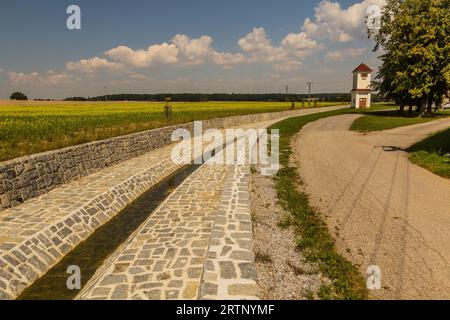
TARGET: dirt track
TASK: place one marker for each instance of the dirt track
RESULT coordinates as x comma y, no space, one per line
382,209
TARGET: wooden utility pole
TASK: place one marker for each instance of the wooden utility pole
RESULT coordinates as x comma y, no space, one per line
106,94
309,89
309,92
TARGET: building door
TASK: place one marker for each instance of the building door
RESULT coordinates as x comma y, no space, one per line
362,103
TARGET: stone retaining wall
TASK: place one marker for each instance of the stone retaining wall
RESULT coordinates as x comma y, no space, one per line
34,175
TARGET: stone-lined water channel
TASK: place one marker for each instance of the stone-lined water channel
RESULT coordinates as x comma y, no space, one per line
91,254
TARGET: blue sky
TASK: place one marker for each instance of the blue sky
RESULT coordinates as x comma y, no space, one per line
181,46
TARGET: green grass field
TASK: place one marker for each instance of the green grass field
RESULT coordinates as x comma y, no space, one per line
31,127
433,153
385,120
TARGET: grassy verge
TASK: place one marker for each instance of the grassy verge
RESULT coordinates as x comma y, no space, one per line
31,127
314,239
385,120
433,153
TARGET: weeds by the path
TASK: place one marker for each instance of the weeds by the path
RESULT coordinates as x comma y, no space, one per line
314,239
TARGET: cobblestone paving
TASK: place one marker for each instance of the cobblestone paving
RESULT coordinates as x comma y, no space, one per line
197,244
229,271
165,258
37,234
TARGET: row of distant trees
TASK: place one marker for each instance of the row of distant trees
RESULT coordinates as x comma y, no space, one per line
198,97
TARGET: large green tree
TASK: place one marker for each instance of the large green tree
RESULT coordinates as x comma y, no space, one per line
18,96
414,40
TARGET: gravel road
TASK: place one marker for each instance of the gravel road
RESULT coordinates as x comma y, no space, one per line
382,209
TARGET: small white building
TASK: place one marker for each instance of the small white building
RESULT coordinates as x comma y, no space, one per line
362,92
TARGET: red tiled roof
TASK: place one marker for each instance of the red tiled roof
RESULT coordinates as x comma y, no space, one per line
362,68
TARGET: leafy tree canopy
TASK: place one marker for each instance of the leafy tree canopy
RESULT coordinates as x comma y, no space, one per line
18,96
414,41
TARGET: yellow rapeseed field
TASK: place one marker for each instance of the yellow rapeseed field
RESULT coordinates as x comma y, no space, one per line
33,126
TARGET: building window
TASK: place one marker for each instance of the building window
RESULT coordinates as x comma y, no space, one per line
364,76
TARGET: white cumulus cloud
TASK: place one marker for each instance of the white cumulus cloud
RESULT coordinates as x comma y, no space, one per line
299,41
24,78
288,55
256,41
155,54
37,79
52,77
337,24
193,51
343,54
227,59
93,65
181,50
